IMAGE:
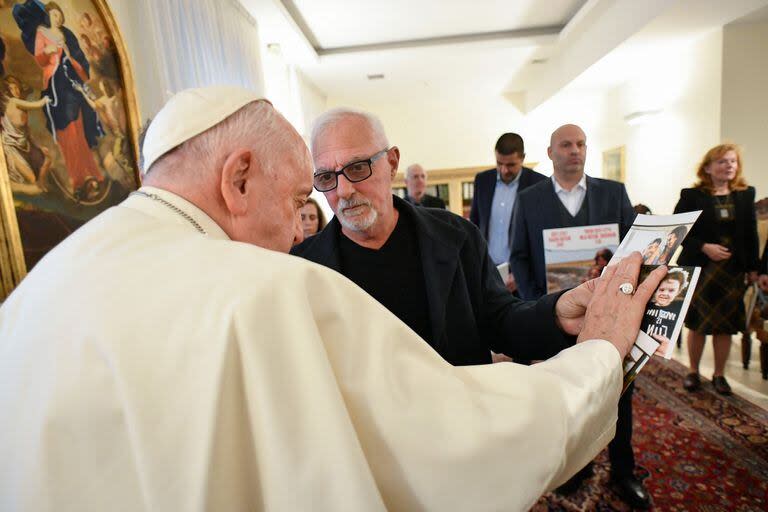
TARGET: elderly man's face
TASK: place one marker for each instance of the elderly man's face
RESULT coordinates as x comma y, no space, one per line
276,196
568,150
360,206
416,181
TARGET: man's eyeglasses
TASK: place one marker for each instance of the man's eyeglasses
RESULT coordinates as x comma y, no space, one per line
354,172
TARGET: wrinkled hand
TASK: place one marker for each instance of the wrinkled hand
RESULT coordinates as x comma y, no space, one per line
716,252
510,283
613,315
762,282
572,305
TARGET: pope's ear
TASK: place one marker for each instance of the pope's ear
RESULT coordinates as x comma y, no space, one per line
237,176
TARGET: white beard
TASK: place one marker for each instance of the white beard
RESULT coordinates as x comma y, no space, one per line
356,223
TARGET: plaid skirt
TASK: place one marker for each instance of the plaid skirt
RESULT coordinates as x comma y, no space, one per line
718,302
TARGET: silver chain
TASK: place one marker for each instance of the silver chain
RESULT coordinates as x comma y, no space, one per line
173,207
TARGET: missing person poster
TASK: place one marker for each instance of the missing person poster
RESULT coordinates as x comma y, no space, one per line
656,237
576,255
663,319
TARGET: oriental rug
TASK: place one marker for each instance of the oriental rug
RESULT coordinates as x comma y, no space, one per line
694,451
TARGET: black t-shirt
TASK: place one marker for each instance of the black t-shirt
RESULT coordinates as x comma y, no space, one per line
392,274
661,320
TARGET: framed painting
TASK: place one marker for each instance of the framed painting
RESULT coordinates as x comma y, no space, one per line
68,129
614,164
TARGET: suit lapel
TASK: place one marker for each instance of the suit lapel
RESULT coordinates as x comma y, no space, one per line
489,184
592,197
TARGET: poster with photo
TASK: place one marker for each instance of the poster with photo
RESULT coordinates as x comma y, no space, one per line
575,255
663,318
656,237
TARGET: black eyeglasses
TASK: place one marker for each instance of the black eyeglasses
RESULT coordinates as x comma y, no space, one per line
354,172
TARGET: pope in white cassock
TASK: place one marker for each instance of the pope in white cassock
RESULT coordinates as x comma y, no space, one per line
168,356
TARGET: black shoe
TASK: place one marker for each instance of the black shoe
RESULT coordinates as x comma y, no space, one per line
632,492
721,385
692,382
573,483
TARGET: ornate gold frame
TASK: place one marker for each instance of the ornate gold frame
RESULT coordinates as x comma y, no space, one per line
12,265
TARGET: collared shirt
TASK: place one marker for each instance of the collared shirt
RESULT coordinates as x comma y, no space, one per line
504,197
574,198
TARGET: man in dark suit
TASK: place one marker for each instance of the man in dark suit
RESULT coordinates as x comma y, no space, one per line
428,266
494,198
569,199
416,184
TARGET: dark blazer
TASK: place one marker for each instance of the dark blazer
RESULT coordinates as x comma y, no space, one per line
470,310
427,201
485,188
706,229
536,209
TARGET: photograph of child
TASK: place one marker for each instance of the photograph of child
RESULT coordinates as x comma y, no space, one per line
651,252
663,311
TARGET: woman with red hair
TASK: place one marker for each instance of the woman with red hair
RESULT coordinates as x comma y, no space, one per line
724,243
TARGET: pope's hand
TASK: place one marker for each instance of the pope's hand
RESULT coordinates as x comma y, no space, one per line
613,315
572,305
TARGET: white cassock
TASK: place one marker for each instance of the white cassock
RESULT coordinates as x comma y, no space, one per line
146,366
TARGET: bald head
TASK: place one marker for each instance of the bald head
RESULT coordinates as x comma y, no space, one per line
568,152
416,181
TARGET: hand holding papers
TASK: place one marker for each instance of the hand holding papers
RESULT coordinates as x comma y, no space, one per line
657,238
614,315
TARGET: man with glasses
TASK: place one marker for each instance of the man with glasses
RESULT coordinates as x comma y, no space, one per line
429,267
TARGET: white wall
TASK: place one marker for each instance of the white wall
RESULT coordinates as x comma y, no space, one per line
745,97
440,132
662,153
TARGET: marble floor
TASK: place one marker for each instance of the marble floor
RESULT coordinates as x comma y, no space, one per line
748,384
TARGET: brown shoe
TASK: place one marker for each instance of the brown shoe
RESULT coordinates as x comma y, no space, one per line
721,385
692,382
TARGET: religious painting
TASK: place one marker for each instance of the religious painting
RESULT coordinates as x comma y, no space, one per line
68,126
614,164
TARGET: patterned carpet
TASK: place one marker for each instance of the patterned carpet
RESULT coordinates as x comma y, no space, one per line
695,451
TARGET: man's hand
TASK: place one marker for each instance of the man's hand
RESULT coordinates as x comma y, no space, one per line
615,316
510,283
762,282
572,305
716,252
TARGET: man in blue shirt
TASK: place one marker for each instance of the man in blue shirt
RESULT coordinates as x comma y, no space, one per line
495,194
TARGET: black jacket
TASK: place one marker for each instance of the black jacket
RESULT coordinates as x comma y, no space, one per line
706,229
485,188
427,201
537,209
470,310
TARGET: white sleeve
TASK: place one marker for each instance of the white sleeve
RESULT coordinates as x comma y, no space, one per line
369,401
